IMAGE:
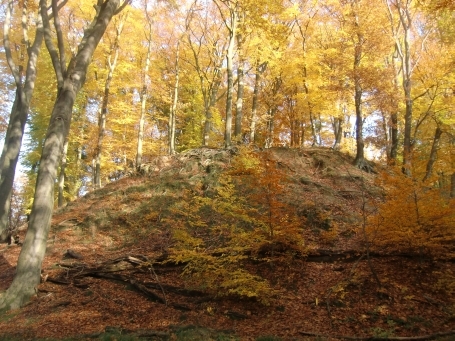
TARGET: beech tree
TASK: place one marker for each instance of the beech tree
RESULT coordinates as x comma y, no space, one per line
207,47
111,62
230,21
20,109
145,87
70,80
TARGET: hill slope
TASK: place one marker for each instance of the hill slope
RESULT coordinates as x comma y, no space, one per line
115,257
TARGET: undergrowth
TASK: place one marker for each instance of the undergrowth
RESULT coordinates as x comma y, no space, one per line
217,232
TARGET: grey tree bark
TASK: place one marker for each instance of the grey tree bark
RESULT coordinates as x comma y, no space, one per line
31,257
19,112
61,177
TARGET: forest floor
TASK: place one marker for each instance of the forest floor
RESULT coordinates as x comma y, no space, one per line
102,278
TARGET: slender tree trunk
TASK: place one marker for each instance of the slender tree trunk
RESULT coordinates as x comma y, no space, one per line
140,133
173,111
270,127
61,180
338,131
452,185
76,189
104,107
393,138
8,161
260,68
19,113
303,33
394,119
405,54
240,89
359,160
28,269
239,102
313,129
144,93
97,159
207,125
271,113
210,98
433,153
230,79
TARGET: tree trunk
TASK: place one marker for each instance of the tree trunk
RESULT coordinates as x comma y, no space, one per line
393,138
394,119
313,129
61,180
271,113
104,107
8,161
239,103
19,114
359,160
270,127
28,269
140,133
144,93
338,131
240,89
230,77
210,99
260,68
452,185
173,112
433,153
405,55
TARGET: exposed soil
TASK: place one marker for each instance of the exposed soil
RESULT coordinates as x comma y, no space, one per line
332,292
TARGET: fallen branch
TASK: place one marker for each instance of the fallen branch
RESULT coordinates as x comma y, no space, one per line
135,284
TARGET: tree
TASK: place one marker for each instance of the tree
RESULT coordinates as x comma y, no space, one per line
359,160
207,49
20,109
401,31
71,79
231,22
111,62
145,88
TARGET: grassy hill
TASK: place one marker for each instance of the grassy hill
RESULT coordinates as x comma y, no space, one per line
230,245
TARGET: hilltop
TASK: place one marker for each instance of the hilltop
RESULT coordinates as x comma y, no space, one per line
172,253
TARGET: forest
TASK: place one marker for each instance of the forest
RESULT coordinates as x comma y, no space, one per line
96,91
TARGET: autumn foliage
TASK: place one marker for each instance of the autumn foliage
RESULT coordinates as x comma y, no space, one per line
414,217
242,218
